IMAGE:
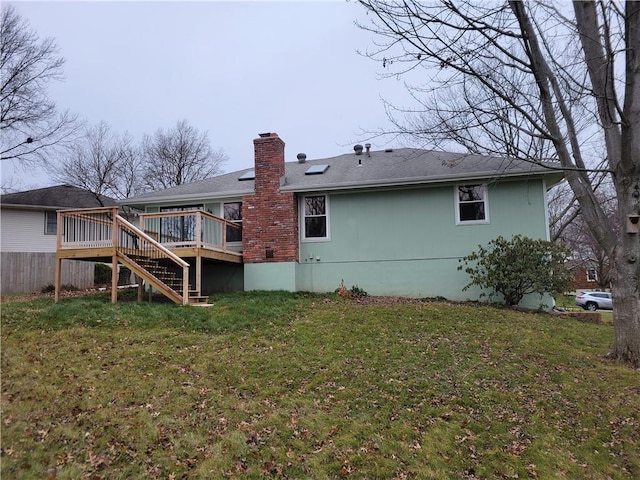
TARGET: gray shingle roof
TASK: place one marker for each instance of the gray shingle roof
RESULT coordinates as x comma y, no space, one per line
59,196
398,167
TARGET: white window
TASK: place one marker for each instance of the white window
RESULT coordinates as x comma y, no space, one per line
232,211
315,217
592,275
472,204
50,223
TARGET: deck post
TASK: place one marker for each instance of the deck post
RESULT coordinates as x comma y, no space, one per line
114,260
198,229
114,279
58,271
198,284
58,277
185,285
140,288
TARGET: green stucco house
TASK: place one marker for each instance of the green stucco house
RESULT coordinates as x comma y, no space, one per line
393,222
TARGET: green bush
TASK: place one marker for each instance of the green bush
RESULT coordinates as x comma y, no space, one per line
517,267
356,291
102,274
67,287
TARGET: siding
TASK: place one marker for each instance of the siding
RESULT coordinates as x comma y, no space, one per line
412,224
28,272
23,231
407,242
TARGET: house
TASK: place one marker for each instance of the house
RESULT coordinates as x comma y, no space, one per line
589,275
392,222
28,227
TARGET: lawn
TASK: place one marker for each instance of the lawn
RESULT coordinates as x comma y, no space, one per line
278,385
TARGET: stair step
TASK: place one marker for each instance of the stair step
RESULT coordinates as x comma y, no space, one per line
198,299
168,277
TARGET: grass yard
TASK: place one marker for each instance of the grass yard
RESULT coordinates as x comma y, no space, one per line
278,385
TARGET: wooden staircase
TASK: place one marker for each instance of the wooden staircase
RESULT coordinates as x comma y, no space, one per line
164,277
160,274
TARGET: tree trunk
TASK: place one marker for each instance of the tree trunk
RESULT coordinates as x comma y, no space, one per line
626,271
625,289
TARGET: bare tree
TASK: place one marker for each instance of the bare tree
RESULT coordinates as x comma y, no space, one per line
586,251
564,208
103,162
30,125
535,82
131,169
179,155
9,185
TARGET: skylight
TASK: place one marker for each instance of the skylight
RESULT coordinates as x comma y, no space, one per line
250,175
317,169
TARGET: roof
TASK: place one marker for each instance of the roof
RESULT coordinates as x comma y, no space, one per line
387,168
59,196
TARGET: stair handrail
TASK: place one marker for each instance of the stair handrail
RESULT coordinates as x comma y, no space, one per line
121,222
152,241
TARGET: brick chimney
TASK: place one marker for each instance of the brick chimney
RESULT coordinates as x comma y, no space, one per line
269,217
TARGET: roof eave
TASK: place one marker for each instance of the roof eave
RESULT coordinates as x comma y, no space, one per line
184,198
411,181
18,206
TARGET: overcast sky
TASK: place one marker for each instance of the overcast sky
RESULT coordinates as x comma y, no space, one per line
233,69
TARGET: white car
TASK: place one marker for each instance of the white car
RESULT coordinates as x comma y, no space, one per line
594,301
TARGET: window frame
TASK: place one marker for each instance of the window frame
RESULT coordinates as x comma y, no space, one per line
47,214
592,275
303,217
239,222
458,203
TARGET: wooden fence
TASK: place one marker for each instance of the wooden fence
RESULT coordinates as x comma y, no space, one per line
25,272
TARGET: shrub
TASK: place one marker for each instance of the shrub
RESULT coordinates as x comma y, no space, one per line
517,267
67,287
102,274
354,291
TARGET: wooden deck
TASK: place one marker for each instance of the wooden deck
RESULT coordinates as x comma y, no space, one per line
165,239
101,254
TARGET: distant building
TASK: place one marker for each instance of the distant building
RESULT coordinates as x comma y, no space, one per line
28,228
586,276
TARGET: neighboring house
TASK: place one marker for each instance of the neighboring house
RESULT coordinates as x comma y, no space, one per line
392,222
586,277
28,228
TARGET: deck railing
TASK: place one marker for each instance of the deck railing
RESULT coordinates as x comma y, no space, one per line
191,229
104,228
94,228
86,228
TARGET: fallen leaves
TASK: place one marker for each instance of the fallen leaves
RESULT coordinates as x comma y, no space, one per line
385,389
517,447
